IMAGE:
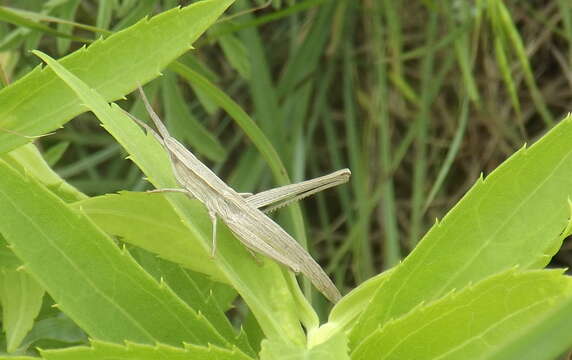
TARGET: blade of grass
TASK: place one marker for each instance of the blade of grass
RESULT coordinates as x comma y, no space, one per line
262,89
506,29
104,13
379,112
184,124
67,11
264,19
39,17
358,155
13,18
514,37
89,161
391,11
419,183
451,153
54,153
462,47
142,9
565,10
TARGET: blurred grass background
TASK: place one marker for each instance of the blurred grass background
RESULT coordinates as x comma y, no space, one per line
417,98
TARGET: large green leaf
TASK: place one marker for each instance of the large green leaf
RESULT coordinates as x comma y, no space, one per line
41,102
472,323
266,288
99,286
513,217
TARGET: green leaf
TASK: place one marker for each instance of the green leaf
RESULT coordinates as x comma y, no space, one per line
100,287
472,323
106,351
21,297
335,348
514,217
40,102
267,289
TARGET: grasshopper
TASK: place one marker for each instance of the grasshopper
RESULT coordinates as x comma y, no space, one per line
240,212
